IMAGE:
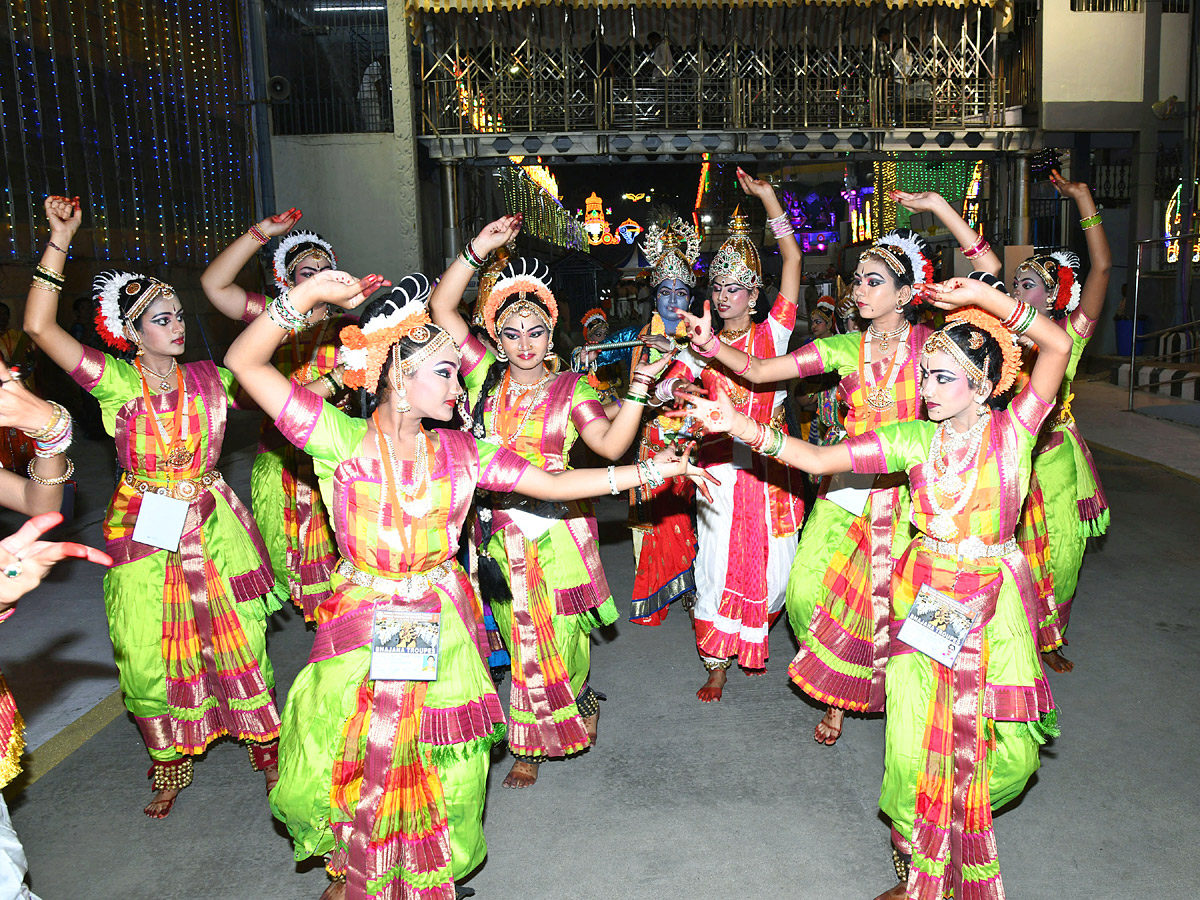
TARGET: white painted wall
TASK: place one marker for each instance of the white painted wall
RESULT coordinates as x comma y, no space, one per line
1091,56
1173,57
348,189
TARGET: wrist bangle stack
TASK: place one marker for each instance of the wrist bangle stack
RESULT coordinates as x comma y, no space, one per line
50,482
258,234
471,259
55,437
285,315
1020,319
1090,221
612,480
781,226
709,350
979,248
767,440
331,383
650,474
48,280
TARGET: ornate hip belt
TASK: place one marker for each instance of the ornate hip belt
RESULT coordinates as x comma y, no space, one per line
416,585
187,489
971,548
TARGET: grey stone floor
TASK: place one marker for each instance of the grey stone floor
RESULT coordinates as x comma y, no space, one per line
733,799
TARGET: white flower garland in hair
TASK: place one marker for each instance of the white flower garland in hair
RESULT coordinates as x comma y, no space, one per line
110,305
291,240
1067,259
414,291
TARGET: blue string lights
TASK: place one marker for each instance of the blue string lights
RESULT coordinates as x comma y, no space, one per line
138,108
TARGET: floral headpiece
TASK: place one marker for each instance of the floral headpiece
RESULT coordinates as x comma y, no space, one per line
825,305
405,315
117,329
974,323
672,249
1059,272
523,289
737,259
903,244
593,317
293,248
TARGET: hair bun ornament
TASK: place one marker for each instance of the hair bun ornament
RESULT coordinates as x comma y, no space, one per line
524,288
401,314
593,317
295,246
113,326
1066,298
1010,350
989,279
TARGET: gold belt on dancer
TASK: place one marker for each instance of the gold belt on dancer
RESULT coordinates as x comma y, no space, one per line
187,489
971,548
416,585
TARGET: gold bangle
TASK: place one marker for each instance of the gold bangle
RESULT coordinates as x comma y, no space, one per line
50,482
43,284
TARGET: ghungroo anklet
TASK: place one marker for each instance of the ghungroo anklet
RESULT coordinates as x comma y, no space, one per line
173,775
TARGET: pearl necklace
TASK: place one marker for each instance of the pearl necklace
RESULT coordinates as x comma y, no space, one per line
516,389
881,396
950,482
885,337
415,498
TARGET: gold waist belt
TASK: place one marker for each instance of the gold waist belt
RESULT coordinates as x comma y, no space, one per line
187,489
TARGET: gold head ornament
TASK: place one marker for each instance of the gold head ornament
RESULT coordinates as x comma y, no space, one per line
737,260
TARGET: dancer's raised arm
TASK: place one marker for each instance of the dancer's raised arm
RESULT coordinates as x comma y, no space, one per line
1091,300
249,357
972,244
754,370
217,280
444,301
41,305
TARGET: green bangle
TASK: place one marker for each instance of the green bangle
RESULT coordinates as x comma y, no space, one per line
634,398
1090,222
1027,320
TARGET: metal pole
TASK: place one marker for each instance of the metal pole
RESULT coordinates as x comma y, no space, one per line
1022,225
1137,282
451,245
255,33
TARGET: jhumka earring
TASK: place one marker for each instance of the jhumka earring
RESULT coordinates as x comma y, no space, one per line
549,349
753,303
402,403
141,349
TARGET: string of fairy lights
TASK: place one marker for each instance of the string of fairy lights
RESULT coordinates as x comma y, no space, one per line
137,108
545,217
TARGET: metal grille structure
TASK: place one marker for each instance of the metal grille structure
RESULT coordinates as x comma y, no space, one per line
559,68
330,66
139,109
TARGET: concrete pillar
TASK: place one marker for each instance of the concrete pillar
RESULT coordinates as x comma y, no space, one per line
405,104
1145,148
451,241
1021,225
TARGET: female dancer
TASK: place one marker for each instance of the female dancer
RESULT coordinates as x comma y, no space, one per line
664,538
962,733
383,771
839,589
287,506
547,552
1073,507
187,613
747,533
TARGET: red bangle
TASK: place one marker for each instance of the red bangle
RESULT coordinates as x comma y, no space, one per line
746,367
257,233
713,343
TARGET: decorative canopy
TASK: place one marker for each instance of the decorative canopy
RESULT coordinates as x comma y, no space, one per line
441,6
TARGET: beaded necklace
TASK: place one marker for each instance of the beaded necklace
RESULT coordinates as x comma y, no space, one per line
949,481
176,457
502,412
880,395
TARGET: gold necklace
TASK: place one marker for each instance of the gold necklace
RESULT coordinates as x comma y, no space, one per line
164,383
884,338
730,336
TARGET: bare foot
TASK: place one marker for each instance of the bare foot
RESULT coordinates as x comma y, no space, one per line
272,775
1056,661
592,724
522,774
899,892
711,691
755,673
829,729
335,891
160,806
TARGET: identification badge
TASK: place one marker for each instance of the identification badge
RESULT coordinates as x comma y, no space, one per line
160,521
850,491
405,644
531,525
937,625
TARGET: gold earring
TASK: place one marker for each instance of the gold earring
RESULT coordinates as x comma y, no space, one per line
402,404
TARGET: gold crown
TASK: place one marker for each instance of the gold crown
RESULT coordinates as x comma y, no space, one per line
737,259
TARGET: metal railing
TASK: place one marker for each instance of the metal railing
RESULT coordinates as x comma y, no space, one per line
1164,335
798,67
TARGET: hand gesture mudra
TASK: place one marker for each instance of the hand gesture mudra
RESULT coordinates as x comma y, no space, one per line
64,216
1073,189
713,416
337,287
280,223
699,328
755,187
495,235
